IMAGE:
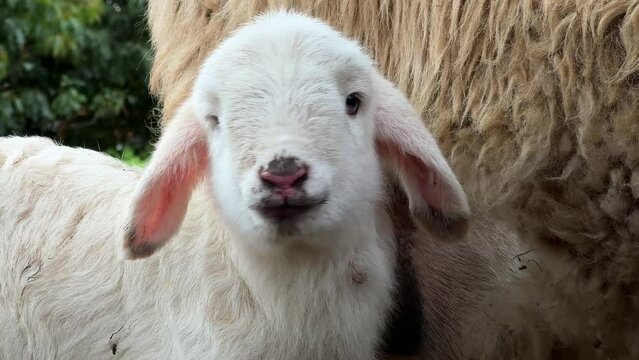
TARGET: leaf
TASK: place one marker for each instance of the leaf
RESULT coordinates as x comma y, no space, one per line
68,103
4,63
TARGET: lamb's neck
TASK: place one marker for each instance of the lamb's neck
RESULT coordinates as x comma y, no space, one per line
209,260
204,274
298,267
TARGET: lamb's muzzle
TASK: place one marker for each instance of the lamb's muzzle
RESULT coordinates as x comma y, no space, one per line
284,177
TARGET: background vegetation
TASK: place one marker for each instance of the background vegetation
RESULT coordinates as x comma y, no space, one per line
77,71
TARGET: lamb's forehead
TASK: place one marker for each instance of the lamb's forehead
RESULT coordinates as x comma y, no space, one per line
285,40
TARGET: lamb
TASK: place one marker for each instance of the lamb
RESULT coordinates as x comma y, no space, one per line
259,227
534,104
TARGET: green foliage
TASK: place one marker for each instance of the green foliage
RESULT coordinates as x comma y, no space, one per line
128,155
76,71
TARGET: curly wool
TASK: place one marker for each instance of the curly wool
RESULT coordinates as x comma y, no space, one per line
534,102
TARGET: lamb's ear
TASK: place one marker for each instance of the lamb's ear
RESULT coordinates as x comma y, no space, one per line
159,204
437,200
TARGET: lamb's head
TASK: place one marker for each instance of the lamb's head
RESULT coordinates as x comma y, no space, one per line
291,120
290,115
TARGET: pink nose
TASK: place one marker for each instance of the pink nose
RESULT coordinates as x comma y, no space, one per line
284,180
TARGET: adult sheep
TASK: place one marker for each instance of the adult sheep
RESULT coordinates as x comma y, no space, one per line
266,192
536,106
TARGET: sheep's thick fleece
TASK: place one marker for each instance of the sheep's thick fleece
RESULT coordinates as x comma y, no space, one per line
61,287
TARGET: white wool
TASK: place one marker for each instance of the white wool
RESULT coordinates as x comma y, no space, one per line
228,284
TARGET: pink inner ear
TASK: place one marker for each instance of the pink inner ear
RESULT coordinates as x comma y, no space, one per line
180,161
158,205
419,176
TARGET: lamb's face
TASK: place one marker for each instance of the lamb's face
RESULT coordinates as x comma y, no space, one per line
296,117
291,130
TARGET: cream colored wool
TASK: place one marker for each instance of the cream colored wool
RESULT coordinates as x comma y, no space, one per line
536,105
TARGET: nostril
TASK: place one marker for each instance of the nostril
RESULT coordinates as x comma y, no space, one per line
284,180
301,178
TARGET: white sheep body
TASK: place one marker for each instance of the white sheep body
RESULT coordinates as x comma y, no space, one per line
65,292
232,283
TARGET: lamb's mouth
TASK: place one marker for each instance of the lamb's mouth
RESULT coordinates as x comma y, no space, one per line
280,209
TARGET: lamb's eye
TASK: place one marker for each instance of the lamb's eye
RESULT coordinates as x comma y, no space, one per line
352,103
212,119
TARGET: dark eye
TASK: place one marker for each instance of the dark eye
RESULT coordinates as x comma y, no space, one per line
212,119
352,103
